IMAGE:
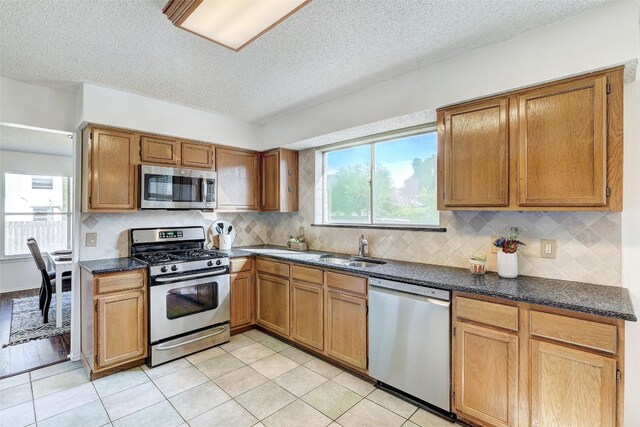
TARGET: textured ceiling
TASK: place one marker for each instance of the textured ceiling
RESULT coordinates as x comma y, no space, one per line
328,48
35,141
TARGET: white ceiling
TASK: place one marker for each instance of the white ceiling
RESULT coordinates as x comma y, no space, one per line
328,48
35,141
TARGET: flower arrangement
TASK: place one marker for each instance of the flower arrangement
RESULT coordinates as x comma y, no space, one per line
297,243
509,244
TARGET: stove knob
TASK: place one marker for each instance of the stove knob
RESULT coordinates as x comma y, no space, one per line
218,262
174,268
164,269
210,263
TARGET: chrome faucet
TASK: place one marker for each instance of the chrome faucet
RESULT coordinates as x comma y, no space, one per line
363,246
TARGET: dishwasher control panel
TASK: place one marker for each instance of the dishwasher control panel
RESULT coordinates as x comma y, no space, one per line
411,289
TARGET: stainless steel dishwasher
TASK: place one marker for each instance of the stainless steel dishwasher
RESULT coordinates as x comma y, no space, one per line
409,344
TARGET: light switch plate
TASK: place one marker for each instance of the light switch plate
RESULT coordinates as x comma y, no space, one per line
548,249
494,248
91,239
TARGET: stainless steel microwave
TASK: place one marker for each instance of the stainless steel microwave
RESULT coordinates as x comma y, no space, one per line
176,188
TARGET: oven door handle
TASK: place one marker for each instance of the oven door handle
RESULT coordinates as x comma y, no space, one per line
218,272
169,347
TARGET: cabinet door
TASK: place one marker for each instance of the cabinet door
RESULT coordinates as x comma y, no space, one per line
197,155
112,170
273,303
242,299
270,181
158,150
571,387
238,179
562,144
346,329
121,329
307,316
486,374
475,154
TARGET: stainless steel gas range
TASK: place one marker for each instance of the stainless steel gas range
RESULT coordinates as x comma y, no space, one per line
188,291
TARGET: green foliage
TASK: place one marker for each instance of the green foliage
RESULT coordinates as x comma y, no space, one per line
348,194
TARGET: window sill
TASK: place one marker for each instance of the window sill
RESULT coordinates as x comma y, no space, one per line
428,229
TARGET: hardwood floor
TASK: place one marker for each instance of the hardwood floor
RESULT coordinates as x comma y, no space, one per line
30,355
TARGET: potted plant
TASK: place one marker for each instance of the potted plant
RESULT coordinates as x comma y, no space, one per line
478,263
508,253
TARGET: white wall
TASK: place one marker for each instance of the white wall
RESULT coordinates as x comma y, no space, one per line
37,106
631,247
126,110
595,39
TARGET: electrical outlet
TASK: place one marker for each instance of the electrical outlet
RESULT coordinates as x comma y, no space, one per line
91,239
548,249
494,248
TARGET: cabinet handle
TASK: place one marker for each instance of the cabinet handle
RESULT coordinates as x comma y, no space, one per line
289,172
289,189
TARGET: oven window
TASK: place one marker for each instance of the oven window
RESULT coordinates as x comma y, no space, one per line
191,300
168,188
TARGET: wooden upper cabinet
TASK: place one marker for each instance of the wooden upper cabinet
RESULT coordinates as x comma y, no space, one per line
109,172
556,146
159,150
197,155
279,173
270,181
571,387
562,144
238,179
474,154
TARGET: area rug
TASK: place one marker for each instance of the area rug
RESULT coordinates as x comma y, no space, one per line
27,322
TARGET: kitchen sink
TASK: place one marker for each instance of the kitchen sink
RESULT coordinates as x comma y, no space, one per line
351,261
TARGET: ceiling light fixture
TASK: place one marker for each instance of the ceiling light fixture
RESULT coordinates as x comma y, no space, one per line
230,23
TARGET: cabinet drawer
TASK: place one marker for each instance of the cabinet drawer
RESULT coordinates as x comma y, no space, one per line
344,282
117,282
585,333
488,313
240,264
306,274
272,267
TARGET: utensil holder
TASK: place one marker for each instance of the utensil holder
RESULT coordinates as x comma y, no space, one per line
224,242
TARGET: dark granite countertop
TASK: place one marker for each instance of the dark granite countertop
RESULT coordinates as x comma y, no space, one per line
111,265
608,301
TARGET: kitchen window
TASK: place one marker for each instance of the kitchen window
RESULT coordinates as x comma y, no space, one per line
387,180
36,206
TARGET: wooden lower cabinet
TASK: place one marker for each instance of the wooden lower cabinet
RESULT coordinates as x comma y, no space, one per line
273,303
114,320
522,364
486,380
242,299
121,328
346,329
307,314
571,387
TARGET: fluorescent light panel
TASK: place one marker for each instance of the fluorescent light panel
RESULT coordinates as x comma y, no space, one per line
234,23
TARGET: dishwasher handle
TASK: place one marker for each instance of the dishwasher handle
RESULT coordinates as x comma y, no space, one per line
431,294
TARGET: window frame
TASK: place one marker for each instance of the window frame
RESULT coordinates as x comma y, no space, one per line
4,214
371,140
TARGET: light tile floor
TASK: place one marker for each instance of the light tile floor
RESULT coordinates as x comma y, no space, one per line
254,380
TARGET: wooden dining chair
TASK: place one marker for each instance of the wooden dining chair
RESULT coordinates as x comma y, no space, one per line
46,289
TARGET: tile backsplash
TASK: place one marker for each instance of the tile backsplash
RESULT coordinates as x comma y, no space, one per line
589,243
